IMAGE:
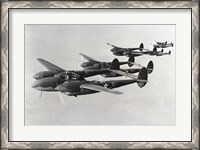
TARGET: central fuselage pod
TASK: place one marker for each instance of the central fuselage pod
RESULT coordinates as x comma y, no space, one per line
45,74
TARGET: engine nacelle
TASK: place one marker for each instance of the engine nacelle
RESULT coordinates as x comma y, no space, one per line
43,74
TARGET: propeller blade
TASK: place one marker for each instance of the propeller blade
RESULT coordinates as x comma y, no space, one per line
41,94
62,100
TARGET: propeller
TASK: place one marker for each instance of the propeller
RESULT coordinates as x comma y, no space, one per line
62,100
41,94
60,95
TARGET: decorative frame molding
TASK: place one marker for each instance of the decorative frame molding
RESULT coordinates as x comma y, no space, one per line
193,5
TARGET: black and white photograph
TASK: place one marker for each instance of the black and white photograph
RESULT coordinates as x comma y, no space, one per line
100,74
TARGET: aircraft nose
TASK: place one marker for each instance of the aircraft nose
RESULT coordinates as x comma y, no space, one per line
82,65
112,50
35,84
57,88
35,76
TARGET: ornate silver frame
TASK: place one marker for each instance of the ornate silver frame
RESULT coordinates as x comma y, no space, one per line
193,5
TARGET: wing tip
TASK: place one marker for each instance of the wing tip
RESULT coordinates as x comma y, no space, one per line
40,59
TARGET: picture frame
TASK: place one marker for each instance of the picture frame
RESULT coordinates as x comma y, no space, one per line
6,6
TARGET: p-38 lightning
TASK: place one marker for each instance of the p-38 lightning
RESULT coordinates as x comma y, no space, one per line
69,84
120,51
53,70
94,64
155,52
163,44
137,52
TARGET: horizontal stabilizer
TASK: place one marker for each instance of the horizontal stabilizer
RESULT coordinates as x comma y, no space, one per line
142,80
99,88
136,64
124,74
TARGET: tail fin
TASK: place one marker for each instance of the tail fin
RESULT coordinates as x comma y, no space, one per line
115,64
171,44
131,60
155,49
150,67
169,53
142,78
141,47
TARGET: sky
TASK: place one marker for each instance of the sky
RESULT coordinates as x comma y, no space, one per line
152,105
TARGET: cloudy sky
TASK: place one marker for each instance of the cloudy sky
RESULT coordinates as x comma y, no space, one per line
61,44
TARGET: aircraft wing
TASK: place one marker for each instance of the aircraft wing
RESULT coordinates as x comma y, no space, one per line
132,49
158,42
113,45
49,66
88,73
88,58
99,88
120,63
147,50
125,74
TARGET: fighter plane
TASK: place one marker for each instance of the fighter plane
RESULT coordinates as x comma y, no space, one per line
95,64
119,51
163,44
64,83
54,70
142,51
126,72
155,52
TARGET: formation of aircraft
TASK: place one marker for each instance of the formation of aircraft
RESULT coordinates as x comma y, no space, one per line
140,51
74,83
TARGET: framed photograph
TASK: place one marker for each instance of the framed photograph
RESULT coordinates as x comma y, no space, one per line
100,75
